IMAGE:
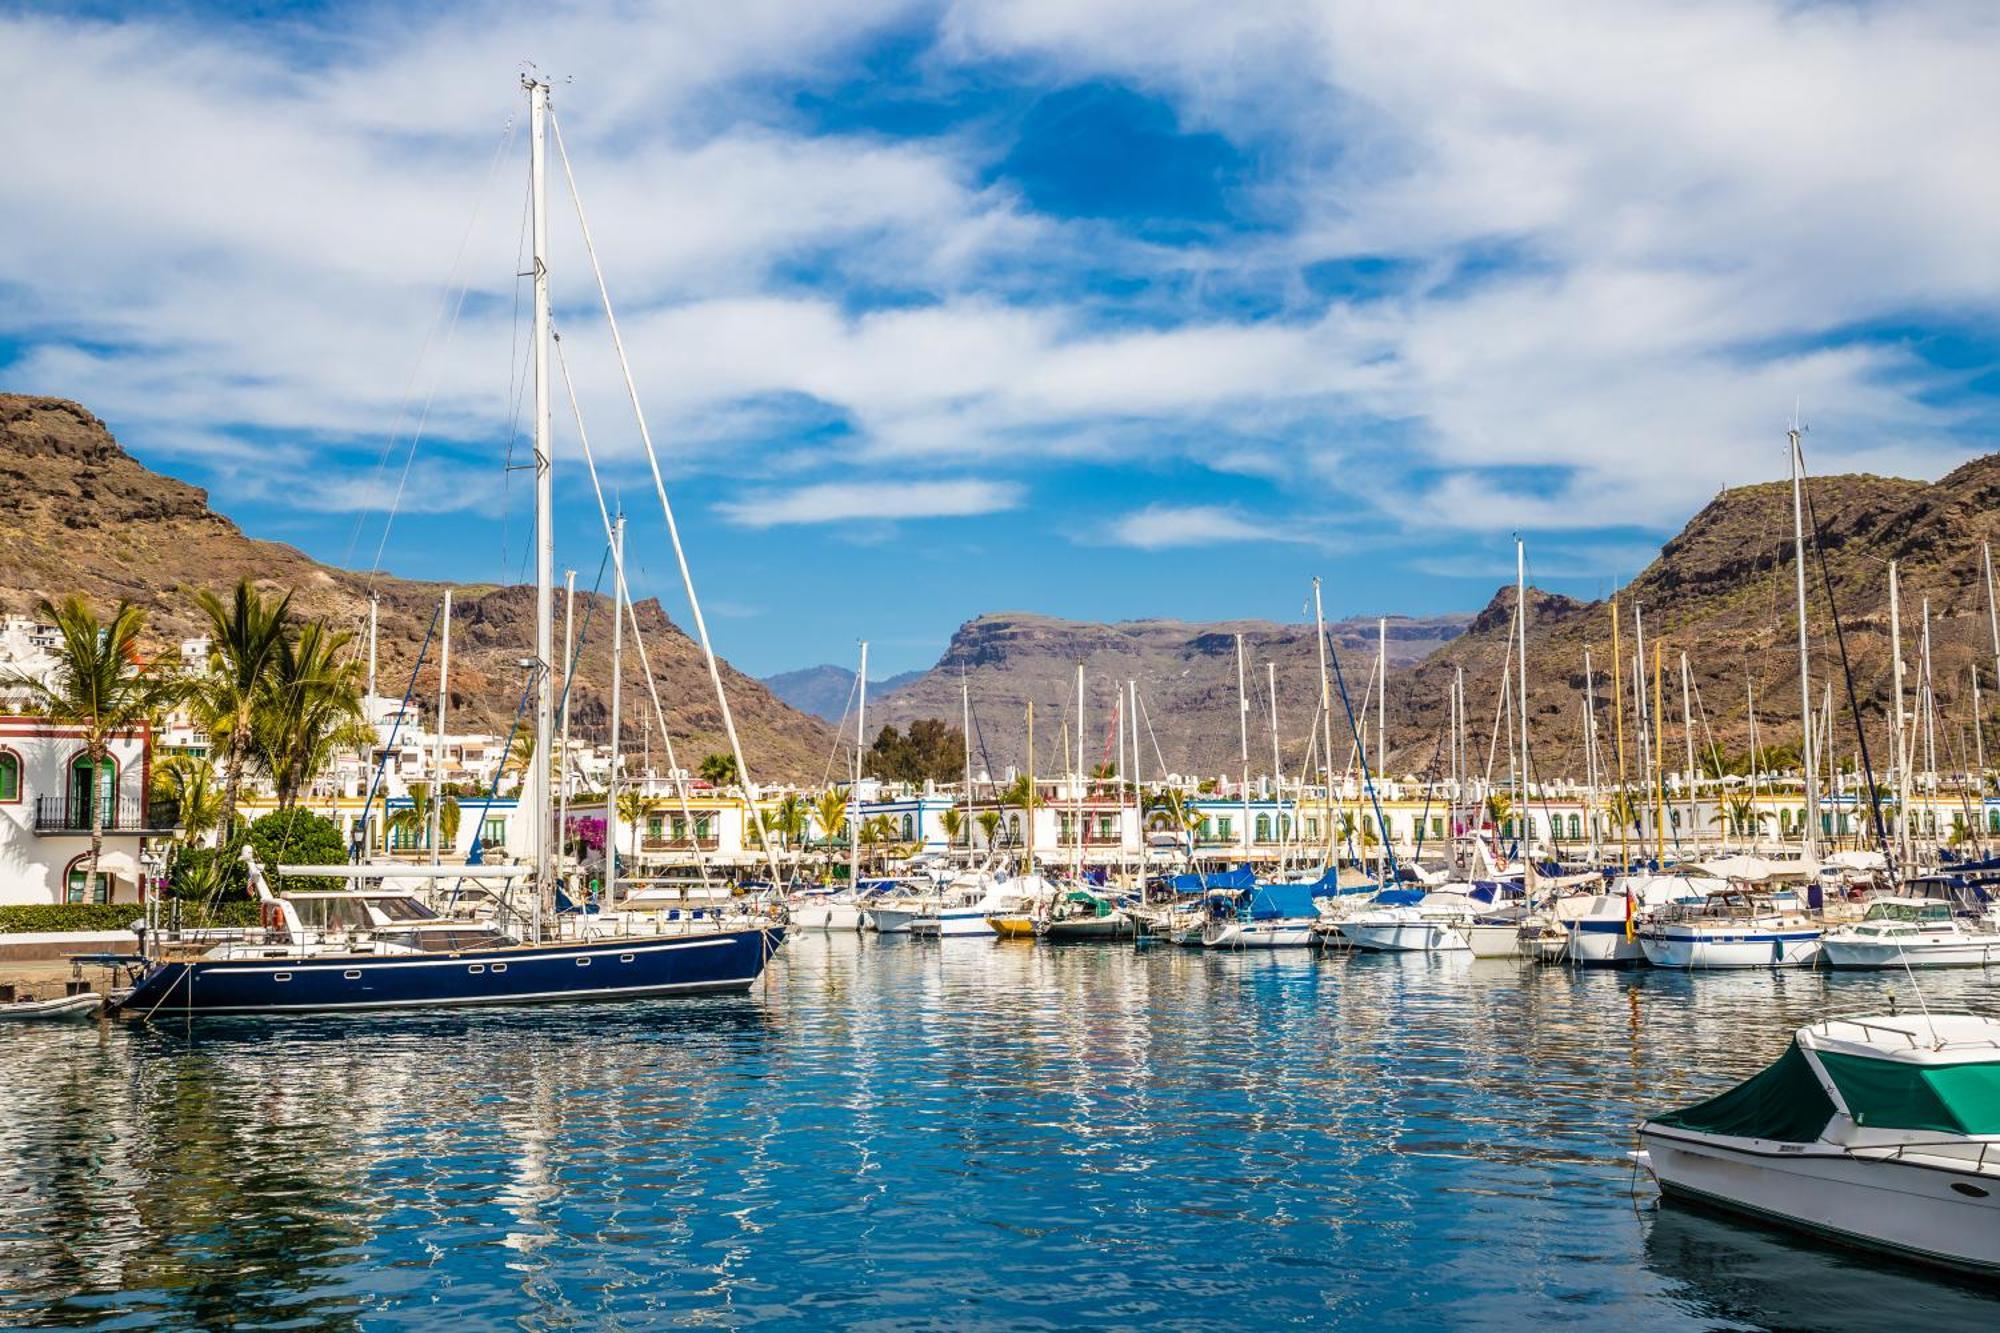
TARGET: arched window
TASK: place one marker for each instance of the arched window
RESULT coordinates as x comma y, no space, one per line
909,828
76,880
1575,827
80,787
1263,828
1014,828
10,777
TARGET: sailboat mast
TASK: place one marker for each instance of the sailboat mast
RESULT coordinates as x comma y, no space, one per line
854,796
1243,729
1811,849
1687,734
1618,725
1659,766
568,665
437,741
1081,774
1756,760
1590,756
1326,717
1899,736
1277,772
1138,792
543,841
1521,625
611,812
1031,787
1992,616
965,730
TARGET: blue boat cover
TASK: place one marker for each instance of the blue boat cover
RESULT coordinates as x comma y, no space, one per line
1270,902
1399,897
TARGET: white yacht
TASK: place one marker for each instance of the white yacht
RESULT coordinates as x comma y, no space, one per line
1269,916
1437,922
1732,930
1910,932
1880,1132
1596,926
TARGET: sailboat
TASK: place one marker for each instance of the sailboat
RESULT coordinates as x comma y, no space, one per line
374,948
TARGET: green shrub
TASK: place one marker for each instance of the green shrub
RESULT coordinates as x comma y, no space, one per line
28,918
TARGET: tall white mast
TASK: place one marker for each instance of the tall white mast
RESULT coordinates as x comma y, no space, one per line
1243,729
1082,777
1979,764
1382,703
965,725
1521,622
611,812
854,795
1756,759
1687,732
1326,723
1899,735
1930,707
542,841
374,605
1590,756
1277,772
1992,609
1138,792
1811,850
437,741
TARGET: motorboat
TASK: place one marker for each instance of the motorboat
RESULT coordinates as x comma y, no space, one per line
1879,1132
1082,914
889,906
824,907
1404,921
1731,930
1910,932
1014,907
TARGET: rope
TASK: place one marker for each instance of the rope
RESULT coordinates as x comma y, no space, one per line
667,509
375,784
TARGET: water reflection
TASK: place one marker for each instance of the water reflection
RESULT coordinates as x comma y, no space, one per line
906,1132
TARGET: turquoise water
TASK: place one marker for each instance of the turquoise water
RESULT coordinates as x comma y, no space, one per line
900,1134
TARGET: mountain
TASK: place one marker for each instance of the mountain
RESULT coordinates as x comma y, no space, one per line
1186,673
1724,592
84,516
827,691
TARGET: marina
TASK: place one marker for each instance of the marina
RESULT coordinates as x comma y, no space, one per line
893,1130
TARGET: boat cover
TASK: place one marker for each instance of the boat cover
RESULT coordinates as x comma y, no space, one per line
1272,902
1895,1094
1784,1104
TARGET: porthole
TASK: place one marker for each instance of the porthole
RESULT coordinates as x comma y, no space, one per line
476,968
351,974
583,962
281,976
1969,1191
624,957
499,967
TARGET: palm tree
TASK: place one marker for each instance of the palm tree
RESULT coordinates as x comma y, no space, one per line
876,830
187,782
101,689
449,818
830,810
245,638
1739,814
1626,810
953,824
989,824
1019,793
310,709
414,819
520,757
718,770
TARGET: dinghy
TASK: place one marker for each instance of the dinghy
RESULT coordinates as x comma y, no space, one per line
61,1008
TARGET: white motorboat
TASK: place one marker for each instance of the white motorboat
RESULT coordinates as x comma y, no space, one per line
1880,1132
1597,929
824,909
1730,930
1436,923
1910,932
63,1008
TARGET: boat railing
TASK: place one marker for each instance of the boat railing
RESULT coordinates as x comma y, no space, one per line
1909,1038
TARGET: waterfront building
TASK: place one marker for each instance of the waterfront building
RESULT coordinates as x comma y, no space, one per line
45,815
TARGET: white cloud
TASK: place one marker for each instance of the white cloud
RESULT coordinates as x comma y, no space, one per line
848,502
1159,527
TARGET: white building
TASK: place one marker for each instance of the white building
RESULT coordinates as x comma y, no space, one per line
45,815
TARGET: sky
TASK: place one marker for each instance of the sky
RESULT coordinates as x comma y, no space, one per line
1115,309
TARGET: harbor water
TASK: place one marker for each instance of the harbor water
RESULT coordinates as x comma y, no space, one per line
894,1133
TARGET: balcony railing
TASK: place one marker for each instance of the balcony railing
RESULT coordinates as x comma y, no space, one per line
668,842
61,815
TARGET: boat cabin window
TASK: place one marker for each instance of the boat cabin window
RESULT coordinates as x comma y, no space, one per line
399,908
1895,911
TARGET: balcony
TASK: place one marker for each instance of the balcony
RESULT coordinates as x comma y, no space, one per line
706,842
62,816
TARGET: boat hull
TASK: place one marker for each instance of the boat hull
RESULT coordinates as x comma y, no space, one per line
63,1009
1860,955
833,917
963,923
1707,950
1112,927
1911,1210
1287,933
612,969
1596,942
1498,941
891,920
1012,926
1404,936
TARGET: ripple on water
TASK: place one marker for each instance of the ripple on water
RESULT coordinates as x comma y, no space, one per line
894,1134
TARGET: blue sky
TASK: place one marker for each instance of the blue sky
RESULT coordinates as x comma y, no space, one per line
1102,310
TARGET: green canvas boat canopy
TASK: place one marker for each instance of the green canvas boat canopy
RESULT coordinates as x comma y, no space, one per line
1878,1074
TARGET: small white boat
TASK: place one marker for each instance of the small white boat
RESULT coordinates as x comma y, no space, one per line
824,910
1910,932
1435,924
61,1008
1265,916
1880,1132
1730,931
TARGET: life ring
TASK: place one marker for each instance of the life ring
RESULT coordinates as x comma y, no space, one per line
273,914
